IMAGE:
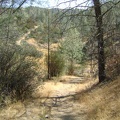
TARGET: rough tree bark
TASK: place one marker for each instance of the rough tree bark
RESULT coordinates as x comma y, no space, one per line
99,37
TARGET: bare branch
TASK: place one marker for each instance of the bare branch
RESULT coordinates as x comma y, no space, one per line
114,4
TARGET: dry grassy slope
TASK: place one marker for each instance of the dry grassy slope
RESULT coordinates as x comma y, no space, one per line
41,62
103,102
42,68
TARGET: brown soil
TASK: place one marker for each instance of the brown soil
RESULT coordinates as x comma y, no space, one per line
54,100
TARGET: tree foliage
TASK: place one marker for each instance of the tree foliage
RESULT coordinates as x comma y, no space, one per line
71,47
16,69
98,25
56,63
16,73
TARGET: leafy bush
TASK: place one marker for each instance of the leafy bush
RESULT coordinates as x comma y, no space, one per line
56,63
30,50
16,73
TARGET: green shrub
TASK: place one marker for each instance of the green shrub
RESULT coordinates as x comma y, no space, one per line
16,73
30,50
56,63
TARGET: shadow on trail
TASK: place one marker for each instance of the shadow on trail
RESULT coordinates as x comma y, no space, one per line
59,101
64,106
62,98
68,117
74,81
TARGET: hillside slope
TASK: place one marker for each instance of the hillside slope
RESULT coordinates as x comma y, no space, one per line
103,102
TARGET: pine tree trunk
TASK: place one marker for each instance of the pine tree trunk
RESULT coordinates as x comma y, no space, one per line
48,47
99,37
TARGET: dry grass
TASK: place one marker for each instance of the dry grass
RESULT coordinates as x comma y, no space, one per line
103,102
34,109
62,87
100,103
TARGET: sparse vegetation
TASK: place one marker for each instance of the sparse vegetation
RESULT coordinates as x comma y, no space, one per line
102,102
30,50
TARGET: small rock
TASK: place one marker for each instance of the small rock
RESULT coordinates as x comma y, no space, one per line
46,116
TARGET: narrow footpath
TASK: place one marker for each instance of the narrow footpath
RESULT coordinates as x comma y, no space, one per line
52,101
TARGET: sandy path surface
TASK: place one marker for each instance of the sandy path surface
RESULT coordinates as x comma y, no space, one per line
60,97
52,101
69,85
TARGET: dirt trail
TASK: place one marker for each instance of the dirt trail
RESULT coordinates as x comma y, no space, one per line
60,97
52,101
55,100
25,35
65,86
